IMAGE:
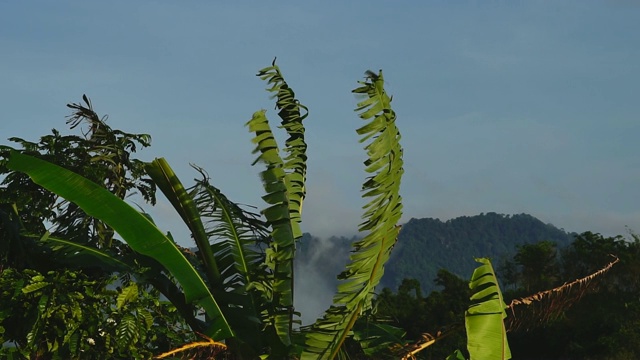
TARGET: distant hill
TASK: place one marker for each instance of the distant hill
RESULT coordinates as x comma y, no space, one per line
427,245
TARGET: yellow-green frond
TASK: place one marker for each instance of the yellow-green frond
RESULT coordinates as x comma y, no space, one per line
381,215
292,113
279,256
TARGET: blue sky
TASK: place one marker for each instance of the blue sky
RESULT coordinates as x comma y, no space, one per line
504,106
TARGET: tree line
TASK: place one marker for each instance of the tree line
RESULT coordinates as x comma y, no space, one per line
596,318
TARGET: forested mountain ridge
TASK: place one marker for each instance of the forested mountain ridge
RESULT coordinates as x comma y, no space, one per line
427,245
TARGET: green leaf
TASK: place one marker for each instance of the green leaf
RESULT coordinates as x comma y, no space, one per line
85,256
74,342
127,331
375,338
34,287
457,355
140,233
147,317
127,294
168,182
281,252
295,162
484,320
381,215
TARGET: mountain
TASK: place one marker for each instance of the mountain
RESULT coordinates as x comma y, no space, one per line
426,245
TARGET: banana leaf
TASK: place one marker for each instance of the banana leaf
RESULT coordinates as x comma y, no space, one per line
295,160
168,182
134,228
279,256
484,320
363,273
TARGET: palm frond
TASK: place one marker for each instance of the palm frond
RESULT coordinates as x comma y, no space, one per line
232,231
280,254
235,235
381,215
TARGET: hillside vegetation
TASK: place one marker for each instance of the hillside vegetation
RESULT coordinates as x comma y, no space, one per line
427,245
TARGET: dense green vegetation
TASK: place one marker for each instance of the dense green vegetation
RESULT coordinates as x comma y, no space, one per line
596,319
63,313
66,231
427,245
82,271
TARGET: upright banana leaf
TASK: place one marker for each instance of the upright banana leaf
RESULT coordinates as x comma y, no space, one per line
137,230
484,320
168,182
279,256
295,173
380,218
295,162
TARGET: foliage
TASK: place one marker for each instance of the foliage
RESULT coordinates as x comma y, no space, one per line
451,243
602,324
538,265
435,323
135,228
593,317
419,314
64,314
241,275
370,254
425,318
486,332
42,234
247,294
102,155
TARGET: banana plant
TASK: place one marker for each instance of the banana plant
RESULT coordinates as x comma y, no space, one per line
135,228
247,294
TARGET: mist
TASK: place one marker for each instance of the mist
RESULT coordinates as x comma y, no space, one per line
318,263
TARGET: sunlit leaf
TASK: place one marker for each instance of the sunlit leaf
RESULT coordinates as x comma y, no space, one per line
140,233
381,215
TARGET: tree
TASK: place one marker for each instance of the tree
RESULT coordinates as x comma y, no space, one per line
54,303
538,265
592,317
67,314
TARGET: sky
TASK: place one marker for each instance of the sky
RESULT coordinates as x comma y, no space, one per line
504,106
